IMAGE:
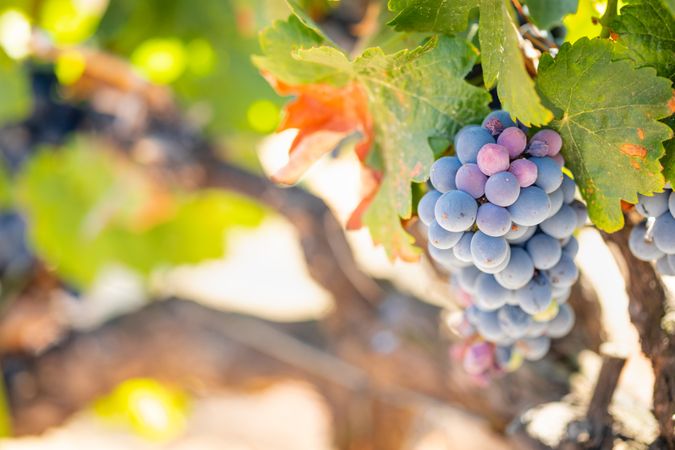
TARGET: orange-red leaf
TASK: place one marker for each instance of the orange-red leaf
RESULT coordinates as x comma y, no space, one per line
324,115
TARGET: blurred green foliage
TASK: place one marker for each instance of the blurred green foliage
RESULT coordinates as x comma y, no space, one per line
89,209
202,51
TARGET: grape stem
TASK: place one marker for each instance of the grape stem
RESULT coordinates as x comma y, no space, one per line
606,19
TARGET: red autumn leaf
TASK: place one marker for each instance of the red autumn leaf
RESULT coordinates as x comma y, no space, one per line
324,115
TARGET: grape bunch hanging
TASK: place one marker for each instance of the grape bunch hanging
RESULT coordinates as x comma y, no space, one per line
653,239
500,218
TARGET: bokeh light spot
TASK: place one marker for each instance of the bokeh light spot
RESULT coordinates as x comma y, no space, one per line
263,116
162,61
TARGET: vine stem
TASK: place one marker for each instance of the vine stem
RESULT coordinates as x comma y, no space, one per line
610,13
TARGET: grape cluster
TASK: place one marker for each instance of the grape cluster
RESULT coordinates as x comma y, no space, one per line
654,238
500,218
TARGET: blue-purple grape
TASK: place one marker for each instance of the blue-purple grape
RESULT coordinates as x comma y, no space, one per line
531,208
471,180
443,173
456,211
493,220
469,140
502,189
427,206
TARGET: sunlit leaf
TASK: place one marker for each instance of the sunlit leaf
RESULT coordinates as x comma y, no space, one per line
607,114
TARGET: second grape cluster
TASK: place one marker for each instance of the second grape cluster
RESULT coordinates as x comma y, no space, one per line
501,217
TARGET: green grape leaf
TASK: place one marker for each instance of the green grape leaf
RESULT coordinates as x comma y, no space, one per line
545,13
503,64
607,113
645,33
439,16
668,160
413,96
15,97
88,210
280,44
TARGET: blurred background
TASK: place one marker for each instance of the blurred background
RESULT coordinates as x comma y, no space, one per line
158,292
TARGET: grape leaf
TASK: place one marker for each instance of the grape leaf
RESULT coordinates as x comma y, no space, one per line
502,60
500,52
279,44
396,102
545,13
668,160
645,33
324,116
440,16
414,95
607,113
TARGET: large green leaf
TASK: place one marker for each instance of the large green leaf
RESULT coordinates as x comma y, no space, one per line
646,34
414,95
502,60
440,16
547,13
82,208
503,63
607,113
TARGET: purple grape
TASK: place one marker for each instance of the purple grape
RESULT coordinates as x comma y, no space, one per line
642,248
534,349
489,251
536,296
477,358
489,295
493,220
513,321
443,173
462,249
469,140
531,208
514,140
571,248
426,207
652,206
664,267
549,174
441,238
538,149
488,326
497,121
518,272
502,189
446,258
562,224
552,140
582,212
563,274
562,323
544,250
525,171
493,158
664,233
557,198
456,211
568,188
471,180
